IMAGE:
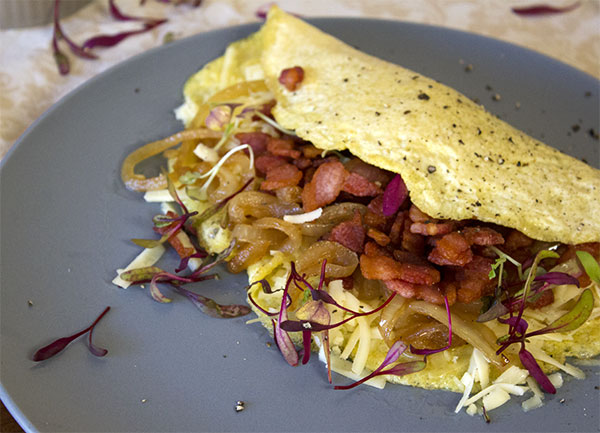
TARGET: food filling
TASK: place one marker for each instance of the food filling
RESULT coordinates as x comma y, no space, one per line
342,261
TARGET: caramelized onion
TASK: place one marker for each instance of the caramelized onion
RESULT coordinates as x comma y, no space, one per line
332,216
138,182
250,205
476,334
341,262
247,253
293,238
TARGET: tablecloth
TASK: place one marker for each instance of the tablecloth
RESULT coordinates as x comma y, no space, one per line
30,82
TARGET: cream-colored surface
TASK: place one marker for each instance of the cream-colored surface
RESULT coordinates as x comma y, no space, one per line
30,83
457,160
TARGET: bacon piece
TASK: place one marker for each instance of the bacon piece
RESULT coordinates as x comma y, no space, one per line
408,257
434,294
281,176
325,185
370,172
372,249
546,298
591,247
417,216
431,228
379,237
291,77
302,163
360,186
267,162
452,249
311,152
517,240
256,140
482,236
350,234
474,281
385,268
285,148
398,227
413,242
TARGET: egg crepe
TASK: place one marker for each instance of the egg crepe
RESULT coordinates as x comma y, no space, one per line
458,161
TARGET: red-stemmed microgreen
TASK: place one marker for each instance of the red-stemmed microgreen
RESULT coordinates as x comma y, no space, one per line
432,351
155,275
59,345
394,195
543,9
400,369
211,308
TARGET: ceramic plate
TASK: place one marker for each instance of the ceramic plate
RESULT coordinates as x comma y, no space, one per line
67,220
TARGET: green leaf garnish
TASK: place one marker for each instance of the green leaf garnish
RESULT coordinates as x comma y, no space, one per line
590,265
573,319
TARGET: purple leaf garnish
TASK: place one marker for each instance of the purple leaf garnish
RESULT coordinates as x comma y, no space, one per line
432,351
282,338
543,9
394,195
557,278
212,308
57,346
534,369
107,41
392,356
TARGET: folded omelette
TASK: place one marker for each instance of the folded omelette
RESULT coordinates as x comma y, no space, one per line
469,176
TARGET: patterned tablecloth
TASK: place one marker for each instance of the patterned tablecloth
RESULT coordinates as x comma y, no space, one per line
30,82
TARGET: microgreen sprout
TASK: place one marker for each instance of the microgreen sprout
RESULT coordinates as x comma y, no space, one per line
400,369
57,346
590,265
274,124
213,171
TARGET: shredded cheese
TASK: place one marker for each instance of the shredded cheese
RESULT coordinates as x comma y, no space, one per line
303,217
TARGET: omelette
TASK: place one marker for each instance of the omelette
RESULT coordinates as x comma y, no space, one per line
426,220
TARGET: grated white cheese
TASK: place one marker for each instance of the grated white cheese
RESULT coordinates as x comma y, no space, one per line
163,195
206,153
303,217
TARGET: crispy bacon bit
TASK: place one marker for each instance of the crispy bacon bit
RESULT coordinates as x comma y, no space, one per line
417,216
267,162
372,249
291,77
350,234
325,185
379,237
281,176
398,227
280,147
311,152
453,250
434,294
482,236
546,298
413,242
432,229
302,163
370,172
385,268
408,257
256,140
517,240
360,186
474,281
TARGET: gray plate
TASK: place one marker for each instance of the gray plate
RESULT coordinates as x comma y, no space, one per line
66,221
